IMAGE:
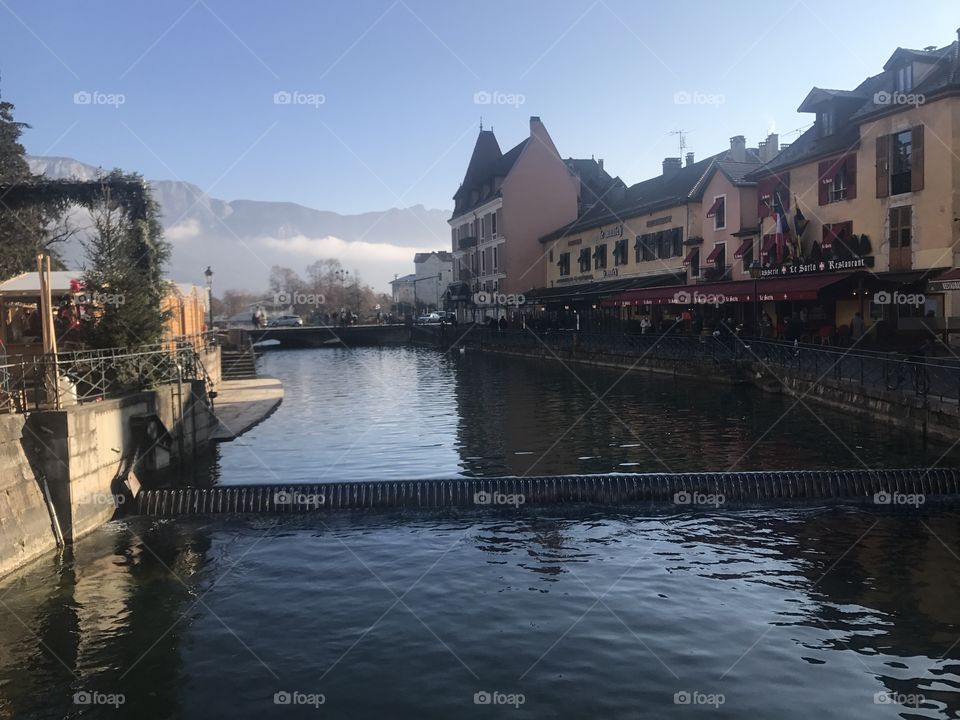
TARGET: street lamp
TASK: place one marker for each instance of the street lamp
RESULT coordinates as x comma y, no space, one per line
755,270
209,275
342,275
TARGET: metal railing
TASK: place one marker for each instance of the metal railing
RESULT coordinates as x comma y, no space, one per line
909,375
52,381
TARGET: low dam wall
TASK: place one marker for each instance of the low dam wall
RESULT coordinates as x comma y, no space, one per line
882,487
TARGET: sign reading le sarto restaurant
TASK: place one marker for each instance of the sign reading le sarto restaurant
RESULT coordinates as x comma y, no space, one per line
811,268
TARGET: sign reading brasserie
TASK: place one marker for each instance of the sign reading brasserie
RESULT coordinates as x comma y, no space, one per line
615,231
944,284
813,268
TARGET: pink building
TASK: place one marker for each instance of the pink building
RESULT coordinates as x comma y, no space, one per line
505,203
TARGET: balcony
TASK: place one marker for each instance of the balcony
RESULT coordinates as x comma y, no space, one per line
716,273
467,242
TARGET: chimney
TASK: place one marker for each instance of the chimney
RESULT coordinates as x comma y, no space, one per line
689,159
771,147
671,165
600,163
738,148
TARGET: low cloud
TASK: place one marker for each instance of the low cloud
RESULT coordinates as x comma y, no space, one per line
376,262
185,230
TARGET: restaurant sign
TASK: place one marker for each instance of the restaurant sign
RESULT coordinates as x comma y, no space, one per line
812,268
616,231
943,285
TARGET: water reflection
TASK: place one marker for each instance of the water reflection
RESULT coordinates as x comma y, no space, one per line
403,413
633,605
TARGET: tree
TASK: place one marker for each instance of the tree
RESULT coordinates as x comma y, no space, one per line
25,230
123,273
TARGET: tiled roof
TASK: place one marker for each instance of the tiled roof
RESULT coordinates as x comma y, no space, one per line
486,164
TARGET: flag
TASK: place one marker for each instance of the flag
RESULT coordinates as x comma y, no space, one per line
781,230
799,226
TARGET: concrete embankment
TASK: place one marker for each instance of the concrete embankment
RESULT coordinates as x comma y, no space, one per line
242,404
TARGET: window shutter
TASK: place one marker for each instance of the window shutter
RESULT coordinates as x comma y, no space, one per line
823,186
916,171
883,166
851,177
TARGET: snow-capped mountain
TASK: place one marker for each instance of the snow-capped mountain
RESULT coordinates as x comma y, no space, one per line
241,239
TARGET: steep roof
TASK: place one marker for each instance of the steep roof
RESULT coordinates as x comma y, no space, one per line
442,255
486,164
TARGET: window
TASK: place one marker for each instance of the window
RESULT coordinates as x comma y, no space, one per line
584,260
620,252
900,221
695,265
905,79
600,257
677,242
838,180
718,211
901,162
646,251
496,258
483,262
493,225
747,255
825,121
564,264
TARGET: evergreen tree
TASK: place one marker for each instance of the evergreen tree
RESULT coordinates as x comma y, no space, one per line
126,256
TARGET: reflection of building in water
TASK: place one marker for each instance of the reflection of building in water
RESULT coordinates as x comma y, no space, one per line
110,621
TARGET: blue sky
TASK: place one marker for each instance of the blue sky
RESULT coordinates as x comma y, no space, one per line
398,82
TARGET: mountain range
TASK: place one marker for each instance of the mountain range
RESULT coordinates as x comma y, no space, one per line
242,239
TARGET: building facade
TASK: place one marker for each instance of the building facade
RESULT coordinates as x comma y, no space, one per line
433,274
505,203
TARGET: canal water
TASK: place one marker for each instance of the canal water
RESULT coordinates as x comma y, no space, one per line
631,612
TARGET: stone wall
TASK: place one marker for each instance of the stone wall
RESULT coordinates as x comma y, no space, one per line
26,529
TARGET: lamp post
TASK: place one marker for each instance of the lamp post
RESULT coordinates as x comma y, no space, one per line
342,275
755,270
208,273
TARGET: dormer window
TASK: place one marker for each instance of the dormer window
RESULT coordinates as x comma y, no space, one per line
825,121
905,79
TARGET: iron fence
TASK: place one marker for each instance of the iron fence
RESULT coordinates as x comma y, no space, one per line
915,375
53,381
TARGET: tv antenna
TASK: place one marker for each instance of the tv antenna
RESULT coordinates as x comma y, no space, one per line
682,135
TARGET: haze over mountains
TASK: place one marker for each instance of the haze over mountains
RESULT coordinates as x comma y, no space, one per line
242,239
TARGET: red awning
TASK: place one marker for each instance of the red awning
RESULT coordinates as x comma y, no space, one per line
797,288
768,242
715,253
950,275
691,255
717,204
744,246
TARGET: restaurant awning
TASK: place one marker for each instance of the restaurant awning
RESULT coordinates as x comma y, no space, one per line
715,253
744,246
768,242
691,255
799,288
596,290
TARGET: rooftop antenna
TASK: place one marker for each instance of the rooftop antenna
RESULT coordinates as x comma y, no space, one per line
683,139
481,123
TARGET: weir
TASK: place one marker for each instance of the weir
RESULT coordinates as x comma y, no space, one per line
893,487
